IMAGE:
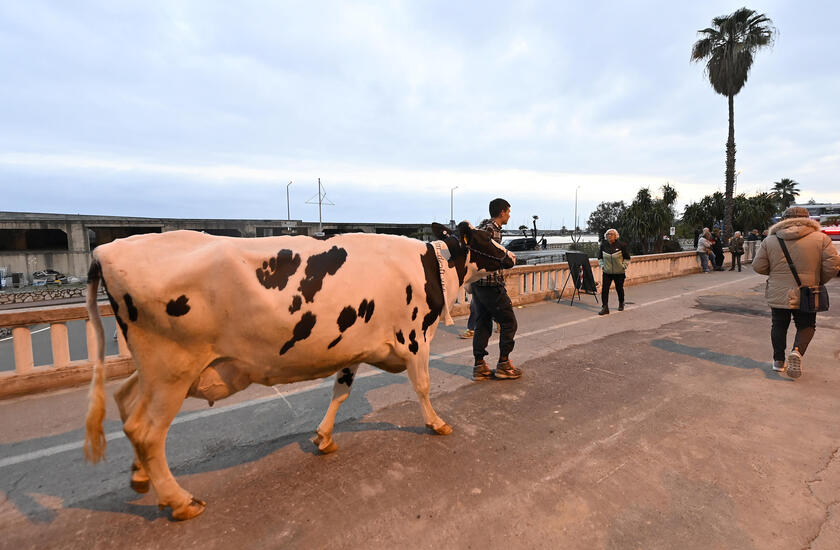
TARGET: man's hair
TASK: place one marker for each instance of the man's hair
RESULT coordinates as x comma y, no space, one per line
497,206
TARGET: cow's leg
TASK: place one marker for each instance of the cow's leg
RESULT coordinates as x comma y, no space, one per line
418,373
146,427
341,389
126,398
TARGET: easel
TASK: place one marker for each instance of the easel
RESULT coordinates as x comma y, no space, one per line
577,286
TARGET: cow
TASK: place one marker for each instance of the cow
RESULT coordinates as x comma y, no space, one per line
206,316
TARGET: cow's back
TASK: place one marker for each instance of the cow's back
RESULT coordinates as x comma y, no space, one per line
279,303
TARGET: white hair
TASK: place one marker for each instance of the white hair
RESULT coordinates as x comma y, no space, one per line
737,233
608,231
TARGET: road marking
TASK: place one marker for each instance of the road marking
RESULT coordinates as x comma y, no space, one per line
30,332
196,415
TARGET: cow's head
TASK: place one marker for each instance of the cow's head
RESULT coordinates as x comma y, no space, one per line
474,253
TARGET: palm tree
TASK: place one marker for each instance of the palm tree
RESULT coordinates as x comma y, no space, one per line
785,192
728,46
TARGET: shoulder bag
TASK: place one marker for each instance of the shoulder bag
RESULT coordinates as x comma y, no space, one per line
811,298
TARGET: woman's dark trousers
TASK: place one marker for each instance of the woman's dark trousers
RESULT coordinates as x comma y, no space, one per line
736,258
806,325
492,302
606,281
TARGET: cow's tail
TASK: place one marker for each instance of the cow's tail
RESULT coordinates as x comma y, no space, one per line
94,434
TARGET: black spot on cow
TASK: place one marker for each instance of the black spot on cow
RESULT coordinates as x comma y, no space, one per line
366,309
346,377
116,309
400,337
301,331
178,307
296,303
275,272
319,266
129,305
457,257
413,346
346,318
334,342
323,237
433,288
414,313
408,295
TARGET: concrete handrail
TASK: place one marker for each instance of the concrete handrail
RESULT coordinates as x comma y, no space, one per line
525,284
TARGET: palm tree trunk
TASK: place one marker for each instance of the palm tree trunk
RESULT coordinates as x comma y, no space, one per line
730,171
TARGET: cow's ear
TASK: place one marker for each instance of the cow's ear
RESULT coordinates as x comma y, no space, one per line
439,231
465,230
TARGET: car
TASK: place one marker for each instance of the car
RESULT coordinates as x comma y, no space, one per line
48,277
517,245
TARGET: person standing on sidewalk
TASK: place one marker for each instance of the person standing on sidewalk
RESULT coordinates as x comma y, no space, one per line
736,248
492,302
752,242
717,248
704,251
816,262
613,258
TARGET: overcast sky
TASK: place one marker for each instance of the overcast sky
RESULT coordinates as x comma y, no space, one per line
208,109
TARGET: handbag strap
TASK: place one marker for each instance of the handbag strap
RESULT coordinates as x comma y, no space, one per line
789,261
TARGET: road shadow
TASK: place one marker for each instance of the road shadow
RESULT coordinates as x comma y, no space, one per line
228,440
724,359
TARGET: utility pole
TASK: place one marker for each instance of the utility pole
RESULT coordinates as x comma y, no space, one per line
322,199
288,208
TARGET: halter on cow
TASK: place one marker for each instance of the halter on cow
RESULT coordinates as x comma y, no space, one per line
285,309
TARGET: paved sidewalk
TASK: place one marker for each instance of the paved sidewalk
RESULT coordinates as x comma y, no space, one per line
658,427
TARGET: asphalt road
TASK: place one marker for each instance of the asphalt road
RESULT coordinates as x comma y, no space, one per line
658,427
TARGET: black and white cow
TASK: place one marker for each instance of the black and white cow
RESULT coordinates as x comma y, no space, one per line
206,316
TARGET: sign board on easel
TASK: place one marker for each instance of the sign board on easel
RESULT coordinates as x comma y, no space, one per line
580,273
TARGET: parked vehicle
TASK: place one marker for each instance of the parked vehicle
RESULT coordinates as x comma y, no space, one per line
517,245
48,277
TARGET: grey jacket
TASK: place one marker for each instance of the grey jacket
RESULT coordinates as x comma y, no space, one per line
812,252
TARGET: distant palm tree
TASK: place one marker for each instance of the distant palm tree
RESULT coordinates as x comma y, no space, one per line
728,46
785,192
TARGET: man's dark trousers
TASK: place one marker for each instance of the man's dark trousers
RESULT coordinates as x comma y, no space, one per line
493,302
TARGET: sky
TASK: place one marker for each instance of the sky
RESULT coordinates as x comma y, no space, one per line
407,111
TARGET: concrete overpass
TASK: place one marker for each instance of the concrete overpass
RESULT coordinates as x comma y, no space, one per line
31,241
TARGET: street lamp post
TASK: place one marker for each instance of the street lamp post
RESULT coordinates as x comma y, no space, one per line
452,207
288,208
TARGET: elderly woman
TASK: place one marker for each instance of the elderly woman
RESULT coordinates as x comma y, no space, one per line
704,250
816,261
736,248
613,258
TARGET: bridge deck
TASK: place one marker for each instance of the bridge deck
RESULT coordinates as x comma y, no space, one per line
658,427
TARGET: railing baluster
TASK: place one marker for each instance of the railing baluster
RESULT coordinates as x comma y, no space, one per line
90,332
60,344
121,345
22,345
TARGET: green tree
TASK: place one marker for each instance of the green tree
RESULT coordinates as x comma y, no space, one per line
646,221
728,47
785,192
605,216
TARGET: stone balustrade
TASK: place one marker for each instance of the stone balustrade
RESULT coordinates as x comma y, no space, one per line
525,284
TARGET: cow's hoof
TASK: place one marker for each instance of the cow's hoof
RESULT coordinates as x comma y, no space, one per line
140,486
322,443
193,509
331,447
445,429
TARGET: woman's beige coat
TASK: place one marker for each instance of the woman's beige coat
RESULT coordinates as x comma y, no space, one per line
815,257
